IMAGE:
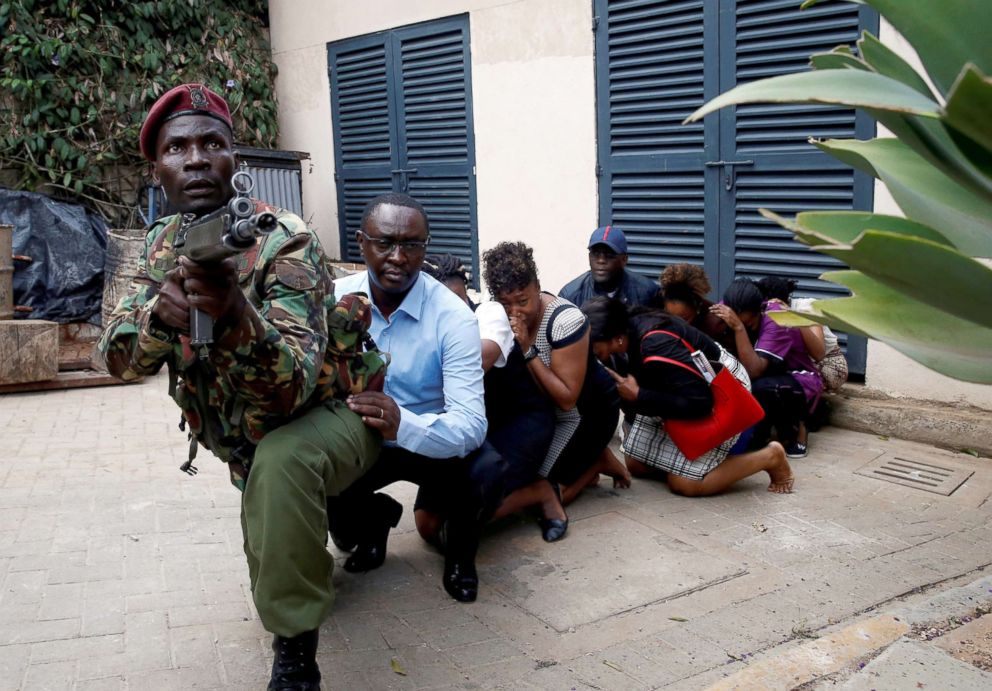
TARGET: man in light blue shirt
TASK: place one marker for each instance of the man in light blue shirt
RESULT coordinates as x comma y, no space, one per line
432,411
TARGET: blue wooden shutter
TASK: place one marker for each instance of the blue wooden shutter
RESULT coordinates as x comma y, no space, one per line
364,130
655,65
764,38
436,142
402,109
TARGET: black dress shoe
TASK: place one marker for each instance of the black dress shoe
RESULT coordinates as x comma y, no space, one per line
553,529
371,549
294,667
460,580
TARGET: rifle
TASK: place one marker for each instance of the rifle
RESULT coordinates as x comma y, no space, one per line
230,230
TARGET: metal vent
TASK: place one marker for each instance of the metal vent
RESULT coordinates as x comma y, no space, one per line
930,477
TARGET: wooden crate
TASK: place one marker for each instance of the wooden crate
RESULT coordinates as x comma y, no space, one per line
29,350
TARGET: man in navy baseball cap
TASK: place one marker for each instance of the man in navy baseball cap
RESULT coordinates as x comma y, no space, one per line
608,275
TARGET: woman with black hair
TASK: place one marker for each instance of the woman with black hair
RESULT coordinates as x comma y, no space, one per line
684,288
820,341
553,337
449,270
785,379
658,389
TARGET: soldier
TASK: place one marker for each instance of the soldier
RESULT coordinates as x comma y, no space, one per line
255,400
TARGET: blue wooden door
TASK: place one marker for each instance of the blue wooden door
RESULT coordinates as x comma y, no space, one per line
402,110
660,61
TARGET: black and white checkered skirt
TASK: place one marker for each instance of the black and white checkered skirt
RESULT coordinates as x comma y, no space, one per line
648,442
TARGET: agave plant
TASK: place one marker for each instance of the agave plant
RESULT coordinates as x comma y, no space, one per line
919,282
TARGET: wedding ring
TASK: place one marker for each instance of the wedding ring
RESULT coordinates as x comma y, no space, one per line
382,413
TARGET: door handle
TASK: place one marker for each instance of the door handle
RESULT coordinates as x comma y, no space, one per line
730,171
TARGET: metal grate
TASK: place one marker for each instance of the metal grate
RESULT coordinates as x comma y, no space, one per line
911,472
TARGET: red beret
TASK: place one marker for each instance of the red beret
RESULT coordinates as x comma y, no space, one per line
185,99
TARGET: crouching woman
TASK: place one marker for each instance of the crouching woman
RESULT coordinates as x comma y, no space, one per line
655,390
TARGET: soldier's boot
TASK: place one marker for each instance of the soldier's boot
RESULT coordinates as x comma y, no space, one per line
294,667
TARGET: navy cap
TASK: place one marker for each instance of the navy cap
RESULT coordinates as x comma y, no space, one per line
611,236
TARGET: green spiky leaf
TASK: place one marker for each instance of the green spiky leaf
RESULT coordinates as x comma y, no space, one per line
924,194
910,264
830,87
969,107
947,344
844,227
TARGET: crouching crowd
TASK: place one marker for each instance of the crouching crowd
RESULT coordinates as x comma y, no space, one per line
491,409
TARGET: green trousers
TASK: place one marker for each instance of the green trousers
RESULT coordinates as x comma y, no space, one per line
284,512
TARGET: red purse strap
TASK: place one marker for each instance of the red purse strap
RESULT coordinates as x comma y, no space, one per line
658,358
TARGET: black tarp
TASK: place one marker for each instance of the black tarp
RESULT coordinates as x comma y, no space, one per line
68,244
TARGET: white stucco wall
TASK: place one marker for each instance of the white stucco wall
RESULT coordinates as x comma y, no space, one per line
533,94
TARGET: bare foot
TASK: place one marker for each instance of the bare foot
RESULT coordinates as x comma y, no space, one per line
780,472
612,466
593,481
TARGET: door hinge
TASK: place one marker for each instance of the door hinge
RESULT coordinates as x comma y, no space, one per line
595,22
599,171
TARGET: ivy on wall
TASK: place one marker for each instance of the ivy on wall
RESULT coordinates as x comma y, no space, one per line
78,76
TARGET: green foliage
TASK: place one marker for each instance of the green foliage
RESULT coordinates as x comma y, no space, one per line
917,283
78,76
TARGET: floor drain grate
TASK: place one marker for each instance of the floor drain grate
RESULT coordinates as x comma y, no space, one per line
930,477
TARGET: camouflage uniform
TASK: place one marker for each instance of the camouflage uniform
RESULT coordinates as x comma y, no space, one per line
263,399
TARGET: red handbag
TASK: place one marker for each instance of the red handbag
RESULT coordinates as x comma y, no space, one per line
734,410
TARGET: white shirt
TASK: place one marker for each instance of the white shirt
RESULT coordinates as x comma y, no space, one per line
494,326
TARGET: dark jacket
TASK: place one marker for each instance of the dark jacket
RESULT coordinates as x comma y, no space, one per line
634,289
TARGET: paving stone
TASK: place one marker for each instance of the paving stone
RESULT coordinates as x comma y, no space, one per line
33,632
24,587
244,662
13,662
645,567
703,680
95,667
484,653
208,614
193,646
146,641
104,684
51,676
349,680
62,601
620,666
423,667
910,664
76,648
175,679
510,672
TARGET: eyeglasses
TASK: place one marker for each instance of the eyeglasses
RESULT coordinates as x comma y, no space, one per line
608,255
385,246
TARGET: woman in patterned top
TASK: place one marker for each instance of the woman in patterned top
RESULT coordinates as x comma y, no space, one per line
553,335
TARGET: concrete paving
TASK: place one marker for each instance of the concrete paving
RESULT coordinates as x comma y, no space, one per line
120,572
911,664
